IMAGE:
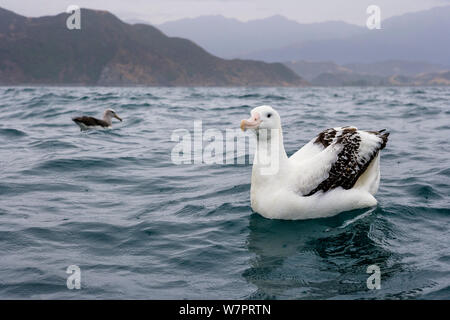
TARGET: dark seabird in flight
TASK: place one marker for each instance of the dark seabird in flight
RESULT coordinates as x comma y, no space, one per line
87,123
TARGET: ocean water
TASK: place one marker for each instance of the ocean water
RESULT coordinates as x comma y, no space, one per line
113,203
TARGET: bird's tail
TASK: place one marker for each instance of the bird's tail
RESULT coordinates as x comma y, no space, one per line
383,134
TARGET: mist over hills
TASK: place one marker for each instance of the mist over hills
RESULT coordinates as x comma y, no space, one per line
231,38
383,73
412,49
418,36
107,51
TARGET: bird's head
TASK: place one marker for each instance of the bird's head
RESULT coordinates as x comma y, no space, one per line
110,113
263,117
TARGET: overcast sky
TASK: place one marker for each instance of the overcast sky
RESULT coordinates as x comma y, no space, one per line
158,11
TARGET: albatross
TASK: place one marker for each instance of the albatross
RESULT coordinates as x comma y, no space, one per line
87,123
338,170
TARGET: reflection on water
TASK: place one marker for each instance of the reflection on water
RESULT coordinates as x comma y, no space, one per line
323,259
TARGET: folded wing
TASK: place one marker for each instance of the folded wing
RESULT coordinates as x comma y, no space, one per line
337,157
90,121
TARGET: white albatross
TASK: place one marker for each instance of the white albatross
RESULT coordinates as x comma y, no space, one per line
338,170
87,123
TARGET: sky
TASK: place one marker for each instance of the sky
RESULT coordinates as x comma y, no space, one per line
159,11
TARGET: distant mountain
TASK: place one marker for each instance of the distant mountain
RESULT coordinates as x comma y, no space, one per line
384,73
107,51
349,79
441,78
419,36
309,70
393,67
231,38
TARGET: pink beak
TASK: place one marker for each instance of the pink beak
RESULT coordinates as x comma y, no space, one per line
252,122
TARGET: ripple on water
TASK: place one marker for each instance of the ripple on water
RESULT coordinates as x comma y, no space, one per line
12,133
139,226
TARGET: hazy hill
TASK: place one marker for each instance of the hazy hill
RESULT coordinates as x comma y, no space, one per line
311,69
227,37
107,51
441,78
392,67
420,36
390,72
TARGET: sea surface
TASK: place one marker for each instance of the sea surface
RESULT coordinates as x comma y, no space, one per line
139,226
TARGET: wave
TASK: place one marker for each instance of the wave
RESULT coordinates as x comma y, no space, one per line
112,201
12,133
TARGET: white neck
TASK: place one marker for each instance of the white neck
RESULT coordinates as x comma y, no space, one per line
270,156
107,118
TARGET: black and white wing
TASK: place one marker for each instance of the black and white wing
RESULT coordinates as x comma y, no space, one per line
316,145
337,157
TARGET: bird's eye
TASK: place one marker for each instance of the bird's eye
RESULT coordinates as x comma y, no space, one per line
269,115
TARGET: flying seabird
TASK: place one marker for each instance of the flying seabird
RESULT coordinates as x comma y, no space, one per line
87,123
338,170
